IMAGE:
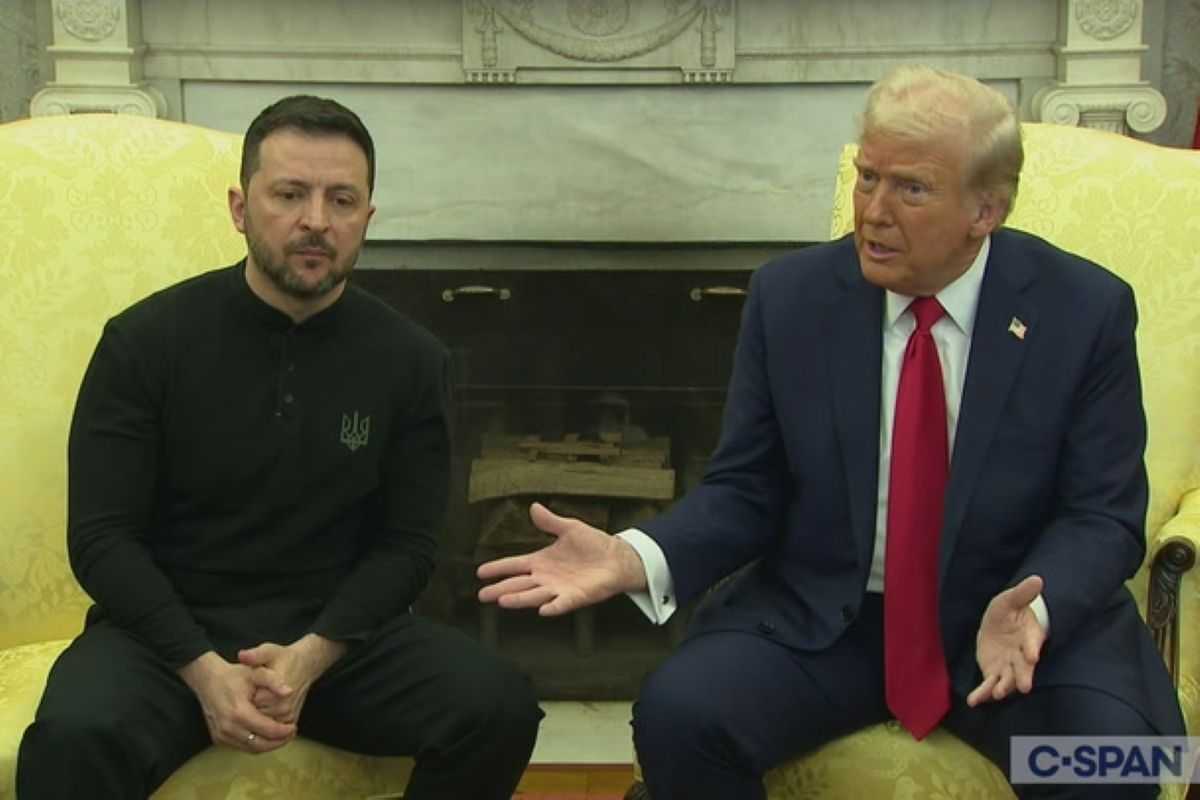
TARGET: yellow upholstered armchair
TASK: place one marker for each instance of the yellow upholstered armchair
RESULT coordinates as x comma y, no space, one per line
99,211
1135,208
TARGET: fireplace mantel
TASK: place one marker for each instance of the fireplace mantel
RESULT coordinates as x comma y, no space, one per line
631,121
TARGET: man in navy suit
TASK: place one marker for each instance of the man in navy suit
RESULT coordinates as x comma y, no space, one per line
931,468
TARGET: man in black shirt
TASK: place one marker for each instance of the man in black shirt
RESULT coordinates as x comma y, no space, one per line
258,462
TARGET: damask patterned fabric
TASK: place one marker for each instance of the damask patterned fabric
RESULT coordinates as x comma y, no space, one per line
885,762
101,210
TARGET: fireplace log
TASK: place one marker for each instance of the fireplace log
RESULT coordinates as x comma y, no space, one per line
493,478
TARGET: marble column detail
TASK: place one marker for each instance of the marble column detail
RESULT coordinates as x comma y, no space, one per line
97,54
1119,109
1099,82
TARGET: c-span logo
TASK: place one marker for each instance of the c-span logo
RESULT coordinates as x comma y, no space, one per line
1105,759
355,432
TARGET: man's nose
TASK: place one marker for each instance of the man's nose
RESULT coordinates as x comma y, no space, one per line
316,215
877,210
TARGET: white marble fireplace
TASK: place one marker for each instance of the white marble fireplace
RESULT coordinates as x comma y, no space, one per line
594,120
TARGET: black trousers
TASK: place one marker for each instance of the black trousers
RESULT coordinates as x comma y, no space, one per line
728,707
115,721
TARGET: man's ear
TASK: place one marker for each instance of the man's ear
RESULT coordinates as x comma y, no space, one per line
237,208
988,215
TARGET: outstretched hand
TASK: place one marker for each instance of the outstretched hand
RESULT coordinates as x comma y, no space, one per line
1009,643
581,567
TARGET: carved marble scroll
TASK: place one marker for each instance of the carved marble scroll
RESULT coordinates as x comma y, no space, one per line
598,41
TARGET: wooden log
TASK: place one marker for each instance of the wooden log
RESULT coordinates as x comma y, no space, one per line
499,477
570,450
652,452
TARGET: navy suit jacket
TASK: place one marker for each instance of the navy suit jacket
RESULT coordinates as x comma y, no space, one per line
1046,477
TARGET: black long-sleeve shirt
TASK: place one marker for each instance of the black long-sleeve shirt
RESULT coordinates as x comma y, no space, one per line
237,478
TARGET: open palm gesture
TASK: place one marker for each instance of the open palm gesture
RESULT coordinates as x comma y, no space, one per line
1009,643
581,567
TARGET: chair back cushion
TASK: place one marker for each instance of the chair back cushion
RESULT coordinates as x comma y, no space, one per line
99,211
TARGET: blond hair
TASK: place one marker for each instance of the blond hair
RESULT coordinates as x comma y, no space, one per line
923,104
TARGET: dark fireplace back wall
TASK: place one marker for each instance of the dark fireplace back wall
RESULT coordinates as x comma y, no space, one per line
552,353
570,328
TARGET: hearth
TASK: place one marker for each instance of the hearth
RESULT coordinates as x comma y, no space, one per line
596,392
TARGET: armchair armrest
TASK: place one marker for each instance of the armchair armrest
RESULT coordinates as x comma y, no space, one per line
1172,553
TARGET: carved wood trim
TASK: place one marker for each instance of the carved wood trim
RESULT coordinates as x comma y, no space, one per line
1162,605
637,792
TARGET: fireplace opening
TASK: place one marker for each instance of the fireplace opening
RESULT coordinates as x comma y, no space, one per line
597,393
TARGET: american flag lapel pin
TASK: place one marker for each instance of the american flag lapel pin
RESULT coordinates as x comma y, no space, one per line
1017,328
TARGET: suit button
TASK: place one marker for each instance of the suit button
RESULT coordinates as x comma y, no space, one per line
766,628
847,614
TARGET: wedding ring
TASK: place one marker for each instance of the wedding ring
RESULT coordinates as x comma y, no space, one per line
250,737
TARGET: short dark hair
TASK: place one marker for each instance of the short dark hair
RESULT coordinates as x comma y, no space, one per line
315,116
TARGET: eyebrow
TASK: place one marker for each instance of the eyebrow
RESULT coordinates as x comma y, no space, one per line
335,187
910,176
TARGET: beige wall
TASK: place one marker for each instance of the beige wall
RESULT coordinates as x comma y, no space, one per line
24,33
1179,79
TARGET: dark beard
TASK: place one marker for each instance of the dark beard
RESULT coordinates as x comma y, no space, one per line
282,275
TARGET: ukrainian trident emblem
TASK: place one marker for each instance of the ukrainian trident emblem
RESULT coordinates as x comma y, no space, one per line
355,432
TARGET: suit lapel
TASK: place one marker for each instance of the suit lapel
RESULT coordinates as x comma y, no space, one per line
855,352
996,355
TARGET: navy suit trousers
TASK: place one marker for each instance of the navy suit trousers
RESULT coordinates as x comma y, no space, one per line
729,706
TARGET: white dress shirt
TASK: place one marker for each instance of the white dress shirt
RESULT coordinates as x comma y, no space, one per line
952,334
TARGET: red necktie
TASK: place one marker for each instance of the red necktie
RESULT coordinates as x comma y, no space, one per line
918,685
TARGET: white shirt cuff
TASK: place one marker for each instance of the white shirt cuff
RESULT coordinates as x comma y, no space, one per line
657,602
1038,605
